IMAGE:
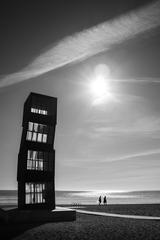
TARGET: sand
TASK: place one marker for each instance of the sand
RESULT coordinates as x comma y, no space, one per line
91,227
128,209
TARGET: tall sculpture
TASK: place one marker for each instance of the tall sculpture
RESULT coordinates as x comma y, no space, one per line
36,159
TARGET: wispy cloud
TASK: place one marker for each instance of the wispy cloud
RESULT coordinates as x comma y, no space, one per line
145,125
134,155
139,80
89,42
109,159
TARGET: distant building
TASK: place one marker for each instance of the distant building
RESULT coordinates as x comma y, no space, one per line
36,159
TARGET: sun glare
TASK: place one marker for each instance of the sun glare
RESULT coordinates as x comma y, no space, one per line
100,84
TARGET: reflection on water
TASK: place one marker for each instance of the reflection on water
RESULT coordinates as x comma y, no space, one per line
91,197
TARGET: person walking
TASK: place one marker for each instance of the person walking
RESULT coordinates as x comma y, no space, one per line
100,200
105,200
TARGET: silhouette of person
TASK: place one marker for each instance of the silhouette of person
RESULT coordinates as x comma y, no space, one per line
100,200
105,200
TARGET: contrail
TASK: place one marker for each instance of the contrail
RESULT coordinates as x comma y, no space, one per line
134,155
139,80
89,42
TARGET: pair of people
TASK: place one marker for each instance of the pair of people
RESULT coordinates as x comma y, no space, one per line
104,200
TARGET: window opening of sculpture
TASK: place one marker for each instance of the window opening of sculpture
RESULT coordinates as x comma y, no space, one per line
39,111
35,193
37,132
37,160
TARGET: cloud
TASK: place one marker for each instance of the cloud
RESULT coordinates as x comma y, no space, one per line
134,155
89,42
143,125
139,80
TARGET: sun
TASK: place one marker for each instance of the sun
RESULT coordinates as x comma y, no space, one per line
99,87
100,84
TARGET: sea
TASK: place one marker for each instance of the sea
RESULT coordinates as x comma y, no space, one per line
9,197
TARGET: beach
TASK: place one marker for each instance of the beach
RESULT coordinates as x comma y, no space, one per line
124,209
92,227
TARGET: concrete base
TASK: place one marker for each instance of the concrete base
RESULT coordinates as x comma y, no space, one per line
14,215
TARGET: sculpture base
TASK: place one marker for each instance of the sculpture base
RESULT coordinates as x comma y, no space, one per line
14,215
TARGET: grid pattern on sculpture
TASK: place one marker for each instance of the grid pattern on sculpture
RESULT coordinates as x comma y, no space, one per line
34,193
37,160
37,132
39,111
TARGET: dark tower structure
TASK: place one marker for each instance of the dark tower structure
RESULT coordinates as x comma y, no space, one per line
36,159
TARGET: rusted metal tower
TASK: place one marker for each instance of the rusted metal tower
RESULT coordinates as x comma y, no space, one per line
36,159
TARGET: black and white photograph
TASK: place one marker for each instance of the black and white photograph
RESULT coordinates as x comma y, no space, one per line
80,120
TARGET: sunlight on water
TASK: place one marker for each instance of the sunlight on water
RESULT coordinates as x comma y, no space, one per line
98,193
91,197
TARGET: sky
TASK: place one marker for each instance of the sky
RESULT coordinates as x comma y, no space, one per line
109,141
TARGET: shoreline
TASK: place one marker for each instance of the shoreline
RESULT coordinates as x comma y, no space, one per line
126,209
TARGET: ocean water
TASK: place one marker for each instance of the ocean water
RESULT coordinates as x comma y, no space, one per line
91,197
